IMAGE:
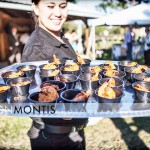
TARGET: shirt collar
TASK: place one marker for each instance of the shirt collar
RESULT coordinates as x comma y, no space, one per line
55,42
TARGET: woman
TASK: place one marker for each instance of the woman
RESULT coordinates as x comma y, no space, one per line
45,41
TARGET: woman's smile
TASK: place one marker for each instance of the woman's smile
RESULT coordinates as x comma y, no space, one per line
56,21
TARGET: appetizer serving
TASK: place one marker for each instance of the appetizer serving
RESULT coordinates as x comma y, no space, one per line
4,88
82,96
109,65
140,69
105,91
48,93
71,66
15,75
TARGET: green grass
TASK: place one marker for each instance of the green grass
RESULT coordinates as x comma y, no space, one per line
107,56
108,134
13,133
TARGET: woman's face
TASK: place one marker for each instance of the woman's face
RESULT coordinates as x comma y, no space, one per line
51,14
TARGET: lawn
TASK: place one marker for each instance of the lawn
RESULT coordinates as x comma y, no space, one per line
107,134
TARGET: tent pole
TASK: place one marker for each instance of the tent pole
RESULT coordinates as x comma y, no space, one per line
93,45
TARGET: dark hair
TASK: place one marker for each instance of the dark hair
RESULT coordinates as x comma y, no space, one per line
147,29
35,1
35,18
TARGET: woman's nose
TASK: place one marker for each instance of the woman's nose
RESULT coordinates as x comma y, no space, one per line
57,11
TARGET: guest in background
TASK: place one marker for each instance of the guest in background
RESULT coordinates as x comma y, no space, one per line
74,40
129,38
15,54
147,47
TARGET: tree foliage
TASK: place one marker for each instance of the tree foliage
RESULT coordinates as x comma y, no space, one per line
119,4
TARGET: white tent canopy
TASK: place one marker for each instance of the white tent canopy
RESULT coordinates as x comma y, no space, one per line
73,9
136,15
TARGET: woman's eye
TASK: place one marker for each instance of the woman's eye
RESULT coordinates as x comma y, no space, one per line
51,7
63,6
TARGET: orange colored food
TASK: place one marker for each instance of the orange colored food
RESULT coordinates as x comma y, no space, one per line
111,73
49,66
26,69
54,73
48,94
80,60
141,88
63,79
140,69
56,60
14,75
82,96
106,91
95,69
109,65
21,83
56,87
111,82
4,88
131,64
147,79
94,77
71,66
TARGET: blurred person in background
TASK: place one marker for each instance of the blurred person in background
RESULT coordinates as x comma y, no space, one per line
74,40
23,40
129,39
15,53
147,47
45,41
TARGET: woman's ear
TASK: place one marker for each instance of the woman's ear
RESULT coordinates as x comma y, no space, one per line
35,9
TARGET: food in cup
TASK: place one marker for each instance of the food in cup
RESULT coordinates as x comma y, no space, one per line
130,64
105,91
4,88
71,66
54,73
140,69
48,94
56,60
111,73
109,65
80,60
95,69
15,75
141,88
94,77
21,83
46,84
82,95
49,66
147,79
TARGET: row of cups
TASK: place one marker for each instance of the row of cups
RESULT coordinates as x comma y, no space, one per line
69,87
85,83
44,74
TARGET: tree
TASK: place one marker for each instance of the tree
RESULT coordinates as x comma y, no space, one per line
119,4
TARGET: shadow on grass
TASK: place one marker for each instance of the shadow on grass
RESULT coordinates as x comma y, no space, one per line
131,137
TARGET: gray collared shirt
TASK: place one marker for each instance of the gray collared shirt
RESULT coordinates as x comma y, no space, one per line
42,45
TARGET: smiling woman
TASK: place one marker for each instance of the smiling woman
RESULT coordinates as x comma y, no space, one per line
51,15
46,41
